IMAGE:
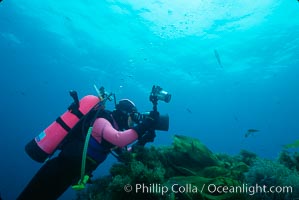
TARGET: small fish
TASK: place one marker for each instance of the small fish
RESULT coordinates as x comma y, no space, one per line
250,132
188,110
236,118
218,58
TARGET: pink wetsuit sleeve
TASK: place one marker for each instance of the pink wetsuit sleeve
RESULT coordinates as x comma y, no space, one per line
103,129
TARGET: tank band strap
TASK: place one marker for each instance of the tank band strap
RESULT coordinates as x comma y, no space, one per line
77,112
63,124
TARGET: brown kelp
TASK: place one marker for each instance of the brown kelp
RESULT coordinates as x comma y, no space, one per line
187,169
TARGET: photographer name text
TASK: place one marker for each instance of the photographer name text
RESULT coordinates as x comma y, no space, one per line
156,188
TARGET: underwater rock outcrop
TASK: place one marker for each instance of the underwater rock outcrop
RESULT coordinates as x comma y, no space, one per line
189,170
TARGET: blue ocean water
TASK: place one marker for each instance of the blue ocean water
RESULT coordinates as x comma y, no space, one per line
230,66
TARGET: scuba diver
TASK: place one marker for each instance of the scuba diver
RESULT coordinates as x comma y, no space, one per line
98,133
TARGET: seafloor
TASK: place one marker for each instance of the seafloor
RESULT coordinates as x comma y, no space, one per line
187,169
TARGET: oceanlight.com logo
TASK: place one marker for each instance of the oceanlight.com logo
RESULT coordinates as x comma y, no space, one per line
248,189
156,188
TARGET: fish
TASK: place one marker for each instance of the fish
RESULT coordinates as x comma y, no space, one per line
188,110
250,132
218,58
236,118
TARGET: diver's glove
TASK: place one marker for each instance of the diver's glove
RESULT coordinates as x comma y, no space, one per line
149,136
147,123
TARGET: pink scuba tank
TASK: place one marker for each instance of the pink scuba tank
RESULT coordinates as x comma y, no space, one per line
45,144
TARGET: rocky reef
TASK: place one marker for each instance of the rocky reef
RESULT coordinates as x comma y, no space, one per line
188,170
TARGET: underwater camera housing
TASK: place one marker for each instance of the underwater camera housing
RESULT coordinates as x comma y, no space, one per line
162,122
159,94
156,94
